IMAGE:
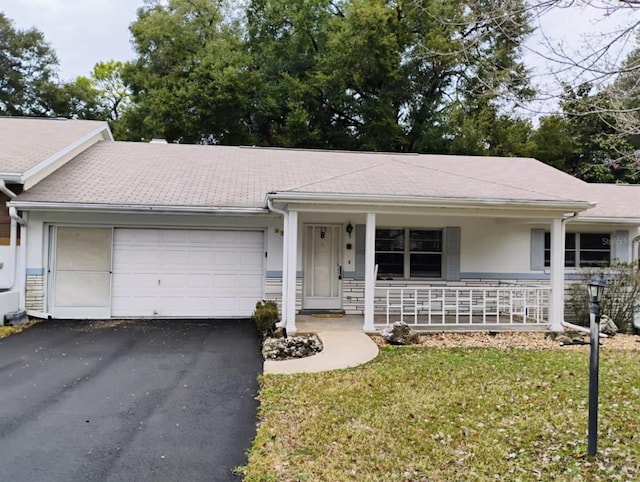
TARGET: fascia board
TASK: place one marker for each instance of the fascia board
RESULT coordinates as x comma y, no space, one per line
41,170
123,208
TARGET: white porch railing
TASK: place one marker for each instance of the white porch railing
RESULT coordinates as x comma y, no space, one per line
464,306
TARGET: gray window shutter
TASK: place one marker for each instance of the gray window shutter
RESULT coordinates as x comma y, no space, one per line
537,249
361,234
621,246
452,254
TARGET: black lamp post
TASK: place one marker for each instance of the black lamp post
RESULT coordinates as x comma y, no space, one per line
596,289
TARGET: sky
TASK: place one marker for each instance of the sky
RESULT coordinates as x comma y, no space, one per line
84,32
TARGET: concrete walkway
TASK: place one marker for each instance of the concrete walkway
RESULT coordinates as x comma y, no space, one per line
342,349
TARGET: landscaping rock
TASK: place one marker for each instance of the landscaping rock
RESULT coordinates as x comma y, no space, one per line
400,334
280,332
291,347
607,326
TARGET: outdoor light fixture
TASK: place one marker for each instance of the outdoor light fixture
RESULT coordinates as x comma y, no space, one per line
596,290
323,232
349,229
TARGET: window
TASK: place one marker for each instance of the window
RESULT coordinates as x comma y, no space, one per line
409,253
582,250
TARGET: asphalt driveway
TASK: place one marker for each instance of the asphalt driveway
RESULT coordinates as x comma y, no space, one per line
128,401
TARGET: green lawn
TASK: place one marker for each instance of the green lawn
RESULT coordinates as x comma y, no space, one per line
450,414
10,330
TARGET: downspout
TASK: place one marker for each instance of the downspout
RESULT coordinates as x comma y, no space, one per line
13,237
635,253
569,218
564,323
285,215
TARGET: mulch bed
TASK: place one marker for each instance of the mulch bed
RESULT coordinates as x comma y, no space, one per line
508,340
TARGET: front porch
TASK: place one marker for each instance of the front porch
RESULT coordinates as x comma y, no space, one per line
435,269
444,308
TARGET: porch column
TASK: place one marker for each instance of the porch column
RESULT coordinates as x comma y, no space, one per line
290,271
369,273
285,238
556,303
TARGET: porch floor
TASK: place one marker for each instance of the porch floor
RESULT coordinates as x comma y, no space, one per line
315,324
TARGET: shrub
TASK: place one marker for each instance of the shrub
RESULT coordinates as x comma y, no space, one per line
266,316
621,297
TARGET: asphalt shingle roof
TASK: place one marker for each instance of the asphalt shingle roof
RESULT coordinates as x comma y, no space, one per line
124,173
613,201
27,141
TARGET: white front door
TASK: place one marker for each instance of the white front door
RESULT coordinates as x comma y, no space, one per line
322,274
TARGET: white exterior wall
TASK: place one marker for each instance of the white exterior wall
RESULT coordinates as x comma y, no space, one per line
37,245
487,245
494,246
493,250
7,269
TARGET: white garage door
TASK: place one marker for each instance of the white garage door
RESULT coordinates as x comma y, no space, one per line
186,273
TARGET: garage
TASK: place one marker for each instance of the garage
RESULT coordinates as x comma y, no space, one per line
173,273
186,272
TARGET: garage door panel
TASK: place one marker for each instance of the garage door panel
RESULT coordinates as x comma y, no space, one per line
141,257
122,284
201,238
187,273
201,257
200,281
253,282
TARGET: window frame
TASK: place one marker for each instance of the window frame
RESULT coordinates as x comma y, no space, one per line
577,249
407,252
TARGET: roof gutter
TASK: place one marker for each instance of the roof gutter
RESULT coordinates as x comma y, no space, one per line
412,201
12,177
612,220
119,208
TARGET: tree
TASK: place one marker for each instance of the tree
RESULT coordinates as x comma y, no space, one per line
189,82
585,142
106,79
28,81
79,99
379,75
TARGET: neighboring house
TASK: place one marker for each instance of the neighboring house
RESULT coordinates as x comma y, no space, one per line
164,230
30,150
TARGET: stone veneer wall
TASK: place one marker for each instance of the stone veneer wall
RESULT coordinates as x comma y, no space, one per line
353,301
273,291
353,290
34,297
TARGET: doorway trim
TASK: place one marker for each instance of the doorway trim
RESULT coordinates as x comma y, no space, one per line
322,283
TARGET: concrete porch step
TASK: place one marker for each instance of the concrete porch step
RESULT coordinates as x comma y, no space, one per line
322,312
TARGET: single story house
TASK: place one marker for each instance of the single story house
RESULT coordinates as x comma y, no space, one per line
127,230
